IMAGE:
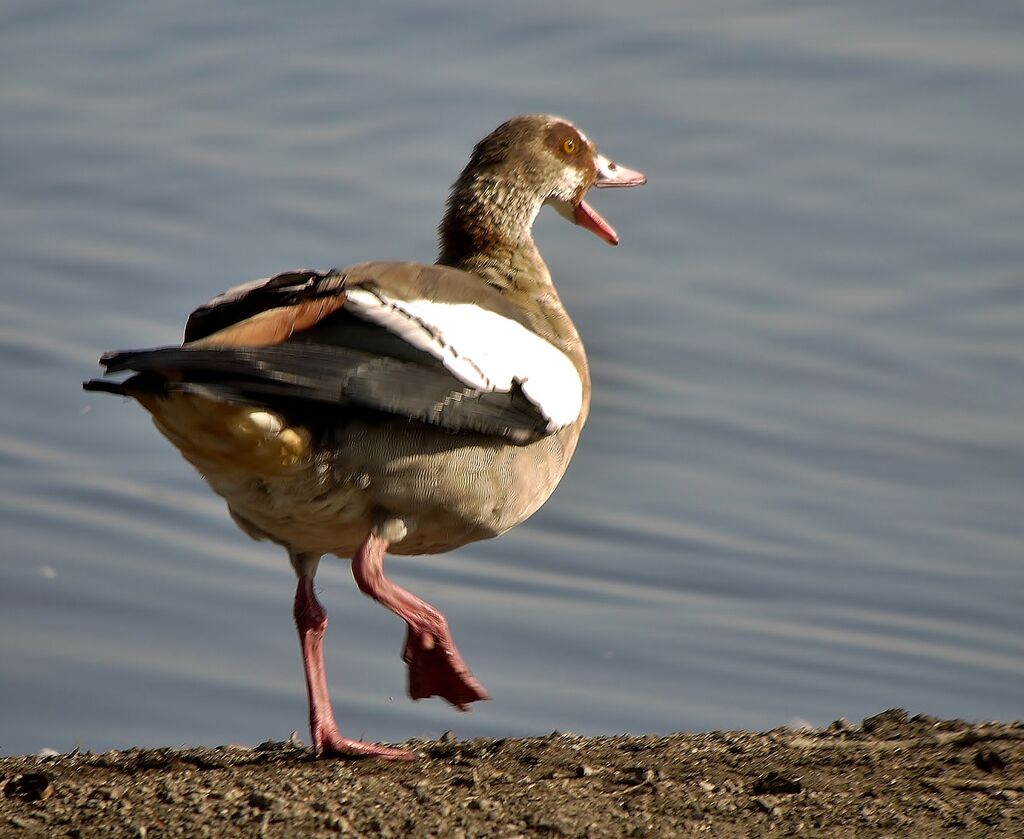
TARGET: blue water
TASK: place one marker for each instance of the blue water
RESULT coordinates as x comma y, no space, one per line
800,495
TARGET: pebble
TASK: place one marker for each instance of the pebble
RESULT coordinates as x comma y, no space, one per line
32,786
989,760
261,801
774,783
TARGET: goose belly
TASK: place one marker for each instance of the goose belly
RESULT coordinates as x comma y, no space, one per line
323,492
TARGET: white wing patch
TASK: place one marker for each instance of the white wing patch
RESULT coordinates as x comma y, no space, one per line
481,348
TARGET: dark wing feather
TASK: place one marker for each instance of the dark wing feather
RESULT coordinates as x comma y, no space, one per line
334,376
287,289
287,340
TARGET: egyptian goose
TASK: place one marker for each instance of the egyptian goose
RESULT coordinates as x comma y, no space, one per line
393,407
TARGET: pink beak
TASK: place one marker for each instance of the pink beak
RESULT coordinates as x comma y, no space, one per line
609,174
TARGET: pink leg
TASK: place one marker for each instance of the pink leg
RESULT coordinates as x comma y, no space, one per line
435,666
311,621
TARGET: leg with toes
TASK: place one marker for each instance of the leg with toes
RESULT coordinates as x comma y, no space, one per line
311,622
435,666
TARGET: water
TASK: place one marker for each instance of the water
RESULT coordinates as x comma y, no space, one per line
801,492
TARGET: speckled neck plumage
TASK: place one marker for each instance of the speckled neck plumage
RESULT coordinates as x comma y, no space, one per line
487,231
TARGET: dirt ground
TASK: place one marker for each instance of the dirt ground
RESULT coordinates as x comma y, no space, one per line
891,776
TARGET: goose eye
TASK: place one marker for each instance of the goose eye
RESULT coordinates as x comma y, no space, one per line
569,146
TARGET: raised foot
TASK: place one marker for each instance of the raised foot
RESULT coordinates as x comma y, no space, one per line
437,669
435,666
334,745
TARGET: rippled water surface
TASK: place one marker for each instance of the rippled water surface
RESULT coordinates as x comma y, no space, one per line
801,492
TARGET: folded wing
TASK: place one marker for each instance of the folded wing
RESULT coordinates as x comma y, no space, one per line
427,343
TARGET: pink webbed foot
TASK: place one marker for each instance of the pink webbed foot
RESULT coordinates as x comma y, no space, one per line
435,666
330,743
437,669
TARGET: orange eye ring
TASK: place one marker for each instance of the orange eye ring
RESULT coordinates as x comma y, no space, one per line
570,146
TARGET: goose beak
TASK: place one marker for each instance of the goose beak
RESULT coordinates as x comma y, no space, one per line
609,174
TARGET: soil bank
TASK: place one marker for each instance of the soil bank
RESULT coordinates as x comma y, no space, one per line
891,776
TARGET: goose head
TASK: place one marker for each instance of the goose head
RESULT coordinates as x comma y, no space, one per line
525,163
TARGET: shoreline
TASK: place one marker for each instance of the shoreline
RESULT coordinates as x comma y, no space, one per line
892,775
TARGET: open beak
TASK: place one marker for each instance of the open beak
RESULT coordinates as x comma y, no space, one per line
609,174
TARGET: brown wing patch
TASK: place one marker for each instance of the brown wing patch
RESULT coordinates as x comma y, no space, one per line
273,326
217,437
